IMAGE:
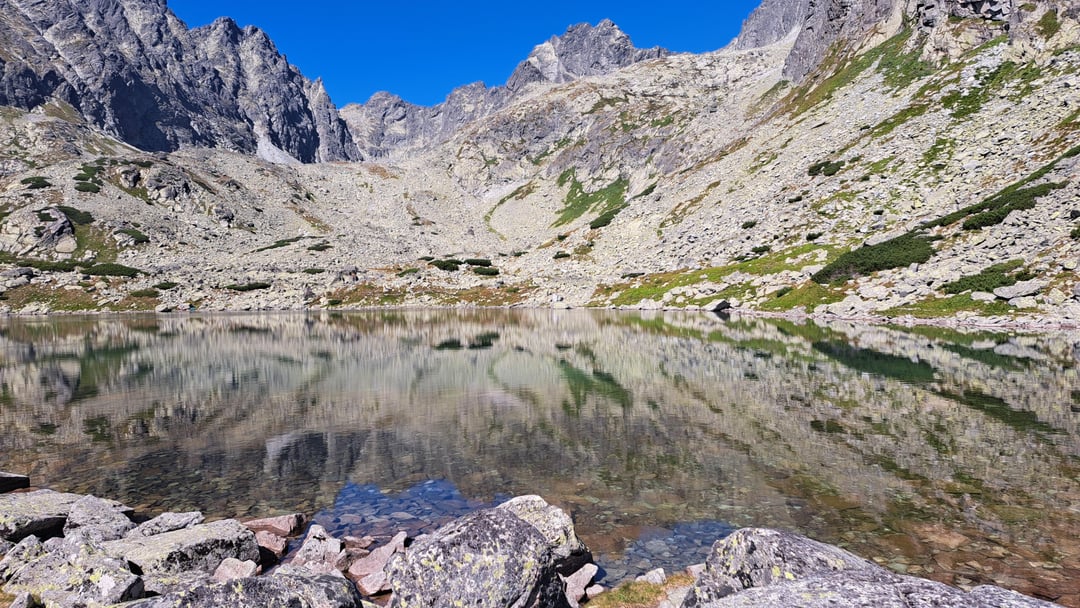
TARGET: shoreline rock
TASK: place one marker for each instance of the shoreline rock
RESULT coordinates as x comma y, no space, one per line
521,554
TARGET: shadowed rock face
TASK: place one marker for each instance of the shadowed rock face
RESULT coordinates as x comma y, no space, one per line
387,123
135,70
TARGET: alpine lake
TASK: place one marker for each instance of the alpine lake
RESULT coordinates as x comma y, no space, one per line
943,453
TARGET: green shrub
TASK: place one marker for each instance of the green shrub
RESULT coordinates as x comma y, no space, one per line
478,262
827,168
1075,234
993,210
447,265
279,244
605,218
90,187
901,251
748,225
49,265
110,269
138,236
761,250
248,286
166,285
427,258
783,291
45,216
998,275
408,271
36,182
813,236
560,255
486,271
320,247
145,293
314,270
81,218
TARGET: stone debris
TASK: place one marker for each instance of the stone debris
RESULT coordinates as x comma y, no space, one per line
510,556
232,569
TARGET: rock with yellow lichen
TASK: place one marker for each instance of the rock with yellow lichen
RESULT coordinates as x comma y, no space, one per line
487,559
761,567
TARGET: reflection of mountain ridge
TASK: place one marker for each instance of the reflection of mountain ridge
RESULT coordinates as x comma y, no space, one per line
624,420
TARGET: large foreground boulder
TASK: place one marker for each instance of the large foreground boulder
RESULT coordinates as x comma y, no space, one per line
63,572
199,548
759,567
41,513
487,559
274,591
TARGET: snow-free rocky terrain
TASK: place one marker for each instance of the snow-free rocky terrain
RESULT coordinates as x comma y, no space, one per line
849,157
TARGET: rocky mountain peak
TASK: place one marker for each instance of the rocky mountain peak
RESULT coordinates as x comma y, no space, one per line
133,69
584,50
387,123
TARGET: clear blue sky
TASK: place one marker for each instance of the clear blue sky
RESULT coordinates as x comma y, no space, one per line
421,49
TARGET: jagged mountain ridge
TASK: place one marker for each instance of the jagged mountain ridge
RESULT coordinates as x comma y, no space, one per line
133,69
713,175
387,123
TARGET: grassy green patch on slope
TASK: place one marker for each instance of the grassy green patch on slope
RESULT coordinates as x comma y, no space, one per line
579,202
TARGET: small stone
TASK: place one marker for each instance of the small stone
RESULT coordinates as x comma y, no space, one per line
1021,289
272,543
578,582
374,583
653,577
320,552
232,569
377,559
982,296
282,525
594,591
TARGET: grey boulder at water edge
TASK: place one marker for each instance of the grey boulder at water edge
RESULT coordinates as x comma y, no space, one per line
67,550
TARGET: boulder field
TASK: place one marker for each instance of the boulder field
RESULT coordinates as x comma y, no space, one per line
67,550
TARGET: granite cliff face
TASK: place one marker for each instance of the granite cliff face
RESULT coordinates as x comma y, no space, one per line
131,68
387,123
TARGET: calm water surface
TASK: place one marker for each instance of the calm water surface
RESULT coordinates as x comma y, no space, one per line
944,454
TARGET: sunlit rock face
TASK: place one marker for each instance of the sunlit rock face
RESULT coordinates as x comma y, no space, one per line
132,68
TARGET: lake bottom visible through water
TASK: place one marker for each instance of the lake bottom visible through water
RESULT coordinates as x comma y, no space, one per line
947,454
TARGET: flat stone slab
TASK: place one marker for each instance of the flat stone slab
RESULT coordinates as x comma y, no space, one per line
199,548
274,591
11,481
41,513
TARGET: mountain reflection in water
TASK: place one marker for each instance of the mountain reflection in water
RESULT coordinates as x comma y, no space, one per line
940,453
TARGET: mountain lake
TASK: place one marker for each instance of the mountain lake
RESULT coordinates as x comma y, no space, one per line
944,453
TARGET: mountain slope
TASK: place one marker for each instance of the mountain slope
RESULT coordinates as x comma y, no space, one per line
924,167
133,69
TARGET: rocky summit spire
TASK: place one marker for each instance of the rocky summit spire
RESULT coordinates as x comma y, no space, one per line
387,123
132,68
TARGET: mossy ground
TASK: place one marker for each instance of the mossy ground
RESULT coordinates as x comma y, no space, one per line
640,595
